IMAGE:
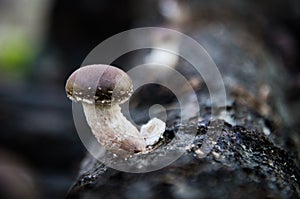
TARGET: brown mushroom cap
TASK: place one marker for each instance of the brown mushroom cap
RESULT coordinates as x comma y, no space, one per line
99,84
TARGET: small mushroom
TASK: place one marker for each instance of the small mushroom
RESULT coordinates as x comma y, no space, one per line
101,88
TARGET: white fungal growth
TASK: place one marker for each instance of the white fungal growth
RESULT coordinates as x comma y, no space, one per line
153,130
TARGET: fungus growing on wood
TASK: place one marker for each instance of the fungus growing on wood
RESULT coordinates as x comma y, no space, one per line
101,89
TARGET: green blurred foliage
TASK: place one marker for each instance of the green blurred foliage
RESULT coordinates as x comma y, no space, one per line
17,54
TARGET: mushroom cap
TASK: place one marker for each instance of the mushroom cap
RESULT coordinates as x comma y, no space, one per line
99,84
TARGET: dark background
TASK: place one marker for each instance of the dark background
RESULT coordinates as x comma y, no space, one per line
42,42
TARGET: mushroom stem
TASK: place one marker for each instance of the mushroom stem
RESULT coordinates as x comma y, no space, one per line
112,129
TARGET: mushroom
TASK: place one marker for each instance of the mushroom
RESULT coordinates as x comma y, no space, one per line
101,88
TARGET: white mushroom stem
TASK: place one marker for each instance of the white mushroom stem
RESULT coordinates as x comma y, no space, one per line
113,130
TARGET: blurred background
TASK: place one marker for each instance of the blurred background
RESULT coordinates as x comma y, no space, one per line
43,41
